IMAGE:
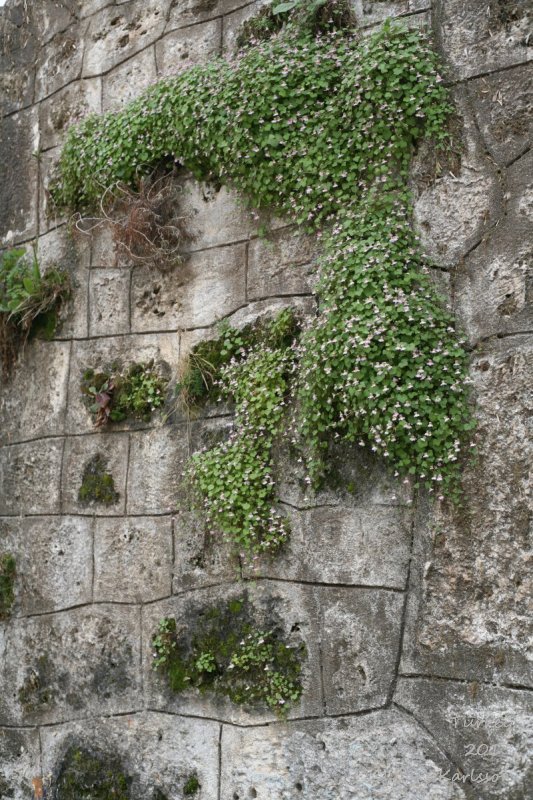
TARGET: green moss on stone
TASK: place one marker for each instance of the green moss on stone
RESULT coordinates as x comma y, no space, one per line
225,650
8,573
97,485
91,776
192,786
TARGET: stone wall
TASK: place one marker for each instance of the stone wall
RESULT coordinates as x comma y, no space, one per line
415,617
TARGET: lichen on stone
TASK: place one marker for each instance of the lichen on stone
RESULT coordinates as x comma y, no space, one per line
8,573
85,775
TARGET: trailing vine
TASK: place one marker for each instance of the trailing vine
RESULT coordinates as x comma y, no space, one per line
322,128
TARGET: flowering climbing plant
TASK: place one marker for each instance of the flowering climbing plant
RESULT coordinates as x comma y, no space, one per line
320,126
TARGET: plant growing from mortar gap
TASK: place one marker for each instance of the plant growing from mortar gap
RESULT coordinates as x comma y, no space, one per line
29,302
232,483
223,650
322,129
8,572
114,397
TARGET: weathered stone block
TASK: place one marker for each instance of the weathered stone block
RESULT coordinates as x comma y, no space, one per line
181,48
49,215
129,80
215,217
109,301
477,38
283,264
60,62
155,476
189,12
112,355
79,452
486,730
54,561
206,287
51,18
79,663
454,213
68,106
18,199
234,21
160,752
372,13
103,252
115,34
383,755
493,285
468,613
200,559
360,546
502,104
19,761
293,607
41,379
133,559
360,641
30,476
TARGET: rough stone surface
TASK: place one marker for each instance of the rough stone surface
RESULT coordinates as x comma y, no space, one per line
19,761
155,476
282,264
181,48
382,755
189,12
109,302
65,108
60,62
132,559
79,451
200,559
67,665
29,477
127,81
488,731
234,21
18,199
54,561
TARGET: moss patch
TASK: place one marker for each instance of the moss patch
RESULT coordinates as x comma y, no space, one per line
8,573
91,776
98,486
192,786
224,650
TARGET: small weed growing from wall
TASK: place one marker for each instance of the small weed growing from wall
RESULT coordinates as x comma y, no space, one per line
232,483
224,651
91,776
97,484
8,571
191,786
135,394
29,302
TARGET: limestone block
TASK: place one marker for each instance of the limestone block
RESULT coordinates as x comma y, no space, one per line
109,302
468,612
18,200
68,106
502,104
133,559
493,285
54,561
155,476
454,213
112,355
59,248
382,755
30,476
19,761
234,21
189,12
477,38
207,286
41,381
79,451
17,58
60,62
50,217
160,752
200,559
360,639
215,217
128,80
292,607
369,12
359,546
181,48
486,730
282,264
103,253
79,663
89,7
115,34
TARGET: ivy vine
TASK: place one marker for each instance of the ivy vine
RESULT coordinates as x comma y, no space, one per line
320,126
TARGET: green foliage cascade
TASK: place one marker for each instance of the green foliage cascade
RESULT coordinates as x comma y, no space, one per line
321,128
